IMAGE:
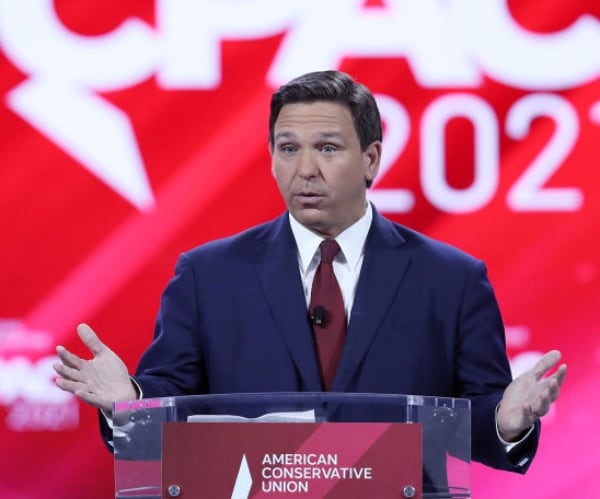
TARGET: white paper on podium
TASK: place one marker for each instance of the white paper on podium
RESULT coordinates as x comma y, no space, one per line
271,417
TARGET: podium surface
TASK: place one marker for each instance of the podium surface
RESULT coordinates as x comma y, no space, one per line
299,444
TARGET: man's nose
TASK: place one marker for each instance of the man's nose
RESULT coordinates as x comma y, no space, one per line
308,165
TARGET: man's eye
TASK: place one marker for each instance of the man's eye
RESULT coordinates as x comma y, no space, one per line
288,149
328,148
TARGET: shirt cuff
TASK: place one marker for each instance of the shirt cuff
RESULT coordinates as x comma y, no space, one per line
508,446
108,415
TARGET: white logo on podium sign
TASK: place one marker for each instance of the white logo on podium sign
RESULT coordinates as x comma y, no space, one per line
243,482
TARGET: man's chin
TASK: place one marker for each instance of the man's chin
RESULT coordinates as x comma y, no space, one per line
308,215
311,218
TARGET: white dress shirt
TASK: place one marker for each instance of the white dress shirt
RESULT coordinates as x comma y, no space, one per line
347,263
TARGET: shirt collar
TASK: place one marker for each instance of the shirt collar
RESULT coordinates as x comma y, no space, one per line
351,241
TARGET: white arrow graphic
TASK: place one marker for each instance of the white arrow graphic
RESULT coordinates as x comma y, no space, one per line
243,482
90,130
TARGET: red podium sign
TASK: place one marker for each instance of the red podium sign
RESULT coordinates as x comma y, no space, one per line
261,460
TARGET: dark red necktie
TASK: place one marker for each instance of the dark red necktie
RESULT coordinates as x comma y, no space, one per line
328,316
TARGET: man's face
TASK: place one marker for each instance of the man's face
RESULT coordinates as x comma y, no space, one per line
319,167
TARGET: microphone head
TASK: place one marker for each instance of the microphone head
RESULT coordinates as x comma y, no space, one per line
318,315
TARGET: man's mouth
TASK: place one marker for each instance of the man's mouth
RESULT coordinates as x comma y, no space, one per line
308,196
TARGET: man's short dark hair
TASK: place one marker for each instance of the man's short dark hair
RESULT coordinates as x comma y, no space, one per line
332,86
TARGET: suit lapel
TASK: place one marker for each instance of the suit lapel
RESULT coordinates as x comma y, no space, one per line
276,263
383,269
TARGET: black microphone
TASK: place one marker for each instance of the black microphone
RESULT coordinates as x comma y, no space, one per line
318,316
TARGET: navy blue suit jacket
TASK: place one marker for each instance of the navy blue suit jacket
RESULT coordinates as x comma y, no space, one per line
424,321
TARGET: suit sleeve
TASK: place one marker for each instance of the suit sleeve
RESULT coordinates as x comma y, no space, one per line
483,373
173,364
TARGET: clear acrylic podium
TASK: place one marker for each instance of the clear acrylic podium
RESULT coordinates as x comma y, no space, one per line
445,426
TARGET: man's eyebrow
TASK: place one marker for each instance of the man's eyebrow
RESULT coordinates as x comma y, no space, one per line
285,135
330,135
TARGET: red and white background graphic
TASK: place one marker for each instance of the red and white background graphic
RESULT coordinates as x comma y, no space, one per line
132,131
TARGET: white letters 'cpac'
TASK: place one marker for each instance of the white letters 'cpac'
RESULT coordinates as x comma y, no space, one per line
447,43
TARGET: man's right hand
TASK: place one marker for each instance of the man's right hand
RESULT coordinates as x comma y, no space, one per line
100,381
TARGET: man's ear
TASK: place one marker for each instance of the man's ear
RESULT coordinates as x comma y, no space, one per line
372,159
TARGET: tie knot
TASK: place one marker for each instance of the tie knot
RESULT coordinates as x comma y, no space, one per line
329,248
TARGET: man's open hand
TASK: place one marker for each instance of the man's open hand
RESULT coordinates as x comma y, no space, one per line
100,381
530,396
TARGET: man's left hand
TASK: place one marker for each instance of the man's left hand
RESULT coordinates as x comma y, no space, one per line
529,397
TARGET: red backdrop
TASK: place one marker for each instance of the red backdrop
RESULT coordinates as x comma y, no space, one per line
132,131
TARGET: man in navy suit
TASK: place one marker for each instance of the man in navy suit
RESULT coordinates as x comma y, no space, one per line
421,315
